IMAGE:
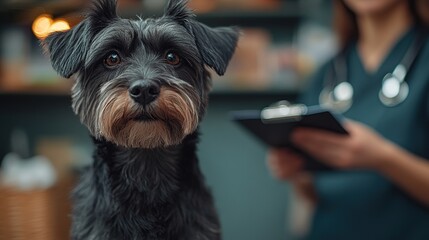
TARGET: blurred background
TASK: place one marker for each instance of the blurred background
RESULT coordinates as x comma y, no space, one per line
43,145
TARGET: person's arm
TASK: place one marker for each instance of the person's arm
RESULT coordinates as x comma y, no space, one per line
303,184
409,172
365,149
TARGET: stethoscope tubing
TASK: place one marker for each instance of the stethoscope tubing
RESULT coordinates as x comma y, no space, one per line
394,88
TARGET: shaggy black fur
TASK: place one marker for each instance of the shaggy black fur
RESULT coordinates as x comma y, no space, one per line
144,194
153,191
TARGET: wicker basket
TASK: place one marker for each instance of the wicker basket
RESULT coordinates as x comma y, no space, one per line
35,214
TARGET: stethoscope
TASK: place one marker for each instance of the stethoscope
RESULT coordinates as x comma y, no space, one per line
338,93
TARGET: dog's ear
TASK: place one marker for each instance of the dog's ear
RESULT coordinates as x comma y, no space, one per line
102,13
216,45
67,50
178,11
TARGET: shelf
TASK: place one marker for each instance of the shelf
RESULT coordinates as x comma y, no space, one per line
33,98
26,11
214,95
63,88
265,19
58,89
288,16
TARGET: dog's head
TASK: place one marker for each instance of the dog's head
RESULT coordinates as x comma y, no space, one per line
141,83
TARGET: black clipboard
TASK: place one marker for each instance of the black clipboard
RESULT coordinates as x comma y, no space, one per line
273,125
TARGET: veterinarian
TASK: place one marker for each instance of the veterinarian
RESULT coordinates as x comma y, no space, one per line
380,83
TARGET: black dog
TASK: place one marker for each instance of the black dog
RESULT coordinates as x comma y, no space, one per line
142,89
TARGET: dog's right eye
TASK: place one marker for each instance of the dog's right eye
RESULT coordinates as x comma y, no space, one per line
172,58
112,59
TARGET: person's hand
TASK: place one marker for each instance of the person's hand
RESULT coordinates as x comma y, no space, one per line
284,164
363,148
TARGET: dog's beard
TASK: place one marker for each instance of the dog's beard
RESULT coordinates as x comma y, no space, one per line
163,123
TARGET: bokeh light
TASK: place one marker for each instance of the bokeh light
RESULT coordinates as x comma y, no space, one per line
44,25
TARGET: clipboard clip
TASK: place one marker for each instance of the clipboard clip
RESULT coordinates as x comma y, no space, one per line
283,111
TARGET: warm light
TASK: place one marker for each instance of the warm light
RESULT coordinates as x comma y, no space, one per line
59,25
45,25
41,26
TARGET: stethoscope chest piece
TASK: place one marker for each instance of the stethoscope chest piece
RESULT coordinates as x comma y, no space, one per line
339,99
393,91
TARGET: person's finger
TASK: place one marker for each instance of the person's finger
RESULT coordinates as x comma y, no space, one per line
330,152
302,135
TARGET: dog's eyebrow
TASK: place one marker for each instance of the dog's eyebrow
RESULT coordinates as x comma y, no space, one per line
121,38
135,38
166,35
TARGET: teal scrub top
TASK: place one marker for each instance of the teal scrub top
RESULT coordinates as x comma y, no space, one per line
364,205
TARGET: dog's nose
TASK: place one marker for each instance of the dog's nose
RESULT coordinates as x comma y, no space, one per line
144,92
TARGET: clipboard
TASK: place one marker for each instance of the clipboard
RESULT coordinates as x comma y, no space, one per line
274,125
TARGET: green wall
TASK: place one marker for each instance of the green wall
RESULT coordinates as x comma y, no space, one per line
252,205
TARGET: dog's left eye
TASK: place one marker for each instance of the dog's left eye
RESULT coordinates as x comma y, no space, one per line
112,59
172,58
